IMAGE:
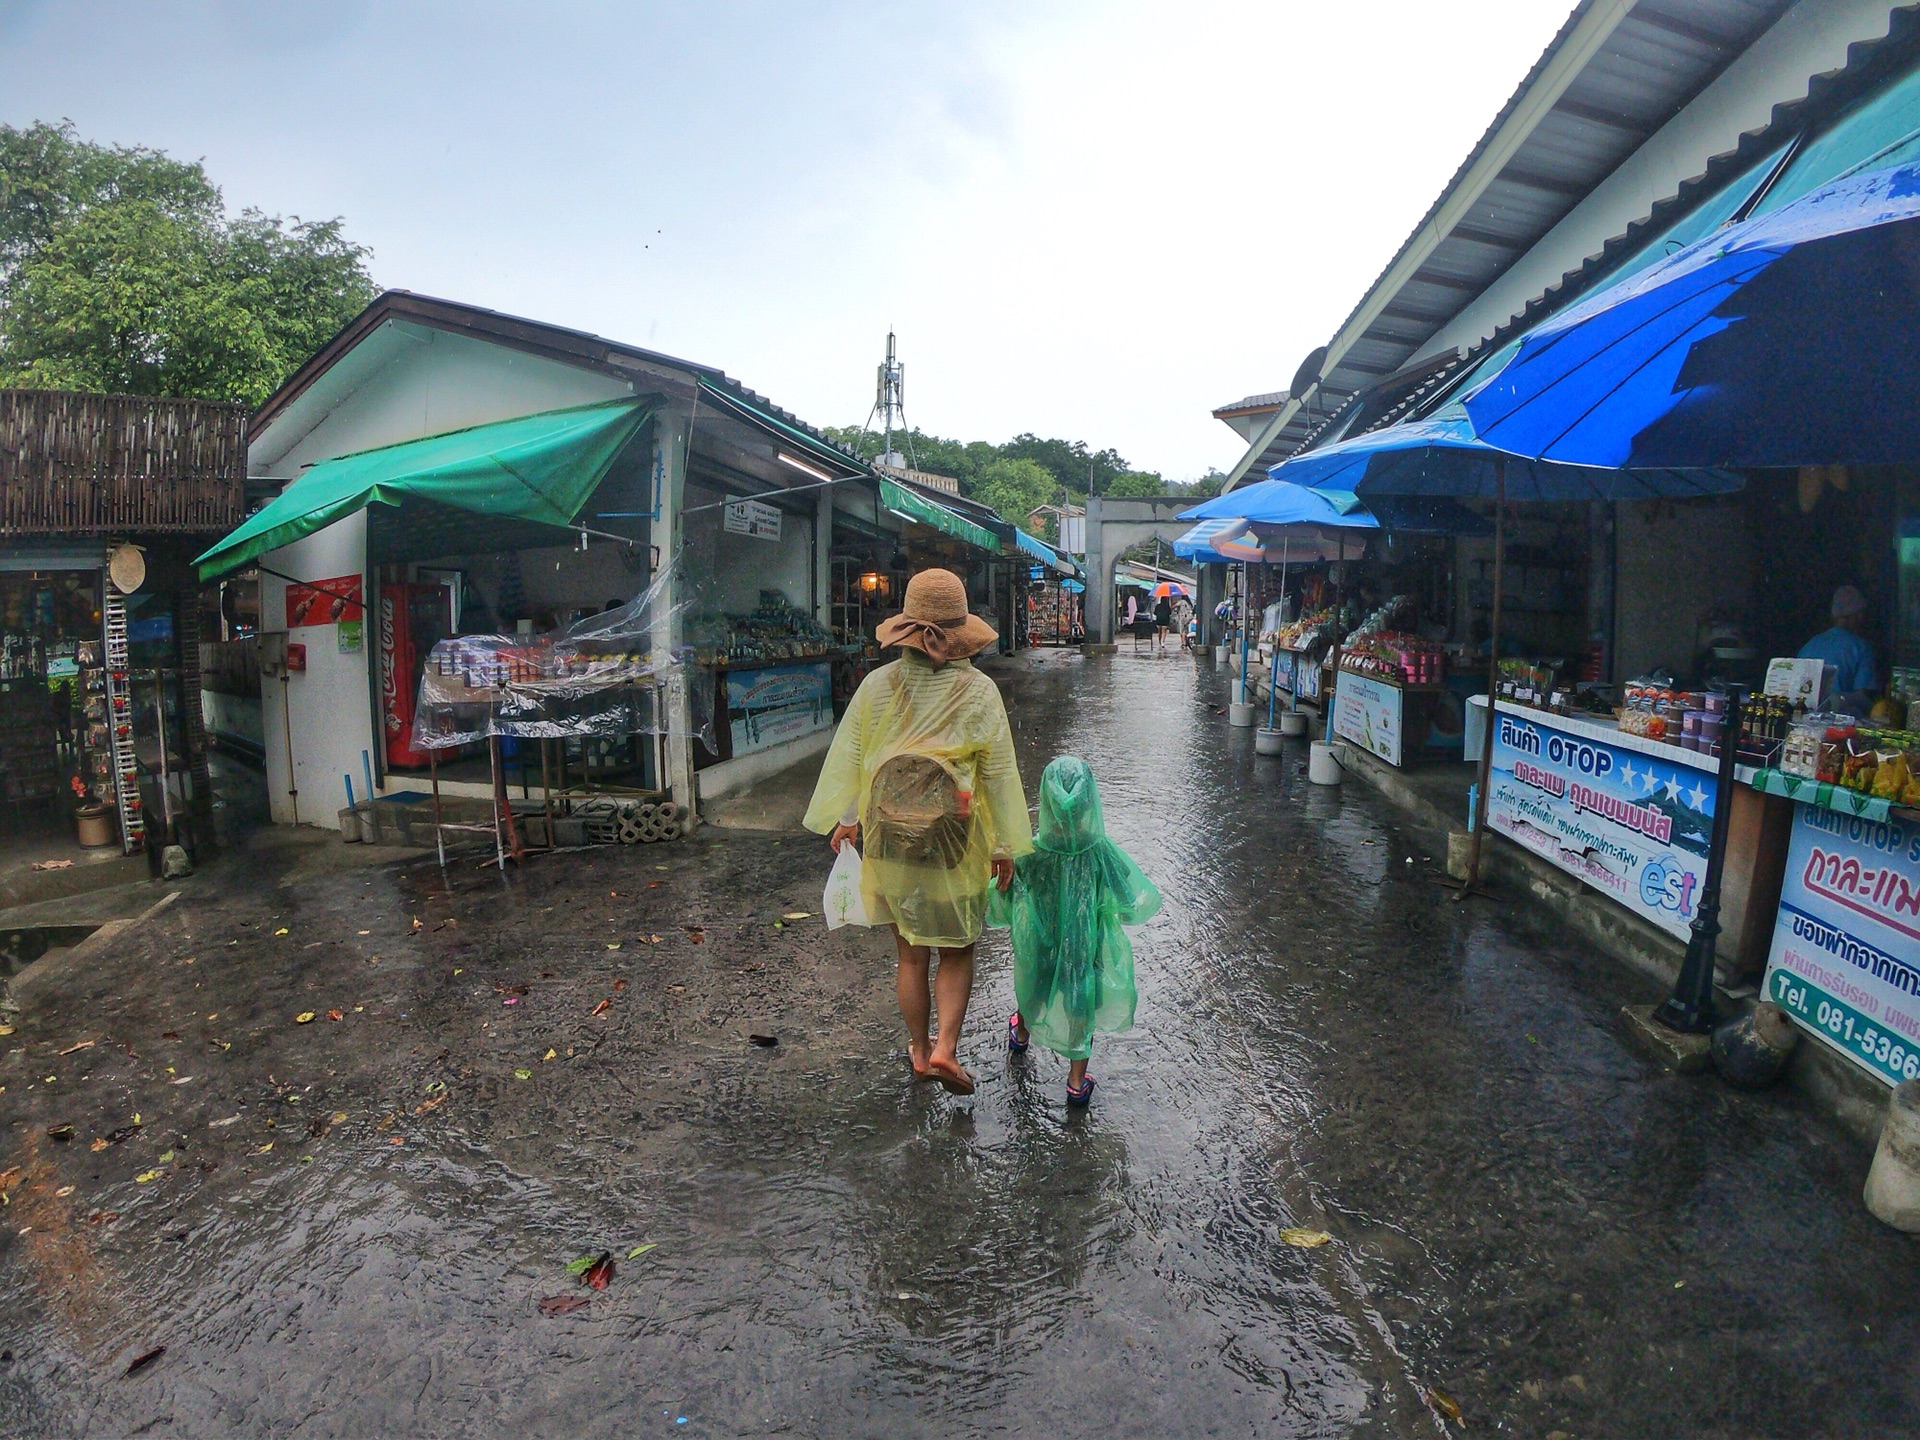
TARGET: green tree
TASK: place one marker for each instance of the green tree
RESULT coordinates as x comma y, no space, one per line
121,271
1016,488
1137,483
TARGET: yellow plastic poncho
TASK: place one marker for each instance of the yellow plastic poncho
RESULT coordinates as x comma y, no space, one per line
954,714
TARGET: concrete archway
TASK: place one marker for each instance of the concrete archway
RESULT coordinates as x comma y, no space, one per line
1115,524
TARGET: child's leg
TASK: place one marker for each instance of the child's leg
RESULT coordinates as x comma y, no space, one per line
916,1004
953,988
1076,1074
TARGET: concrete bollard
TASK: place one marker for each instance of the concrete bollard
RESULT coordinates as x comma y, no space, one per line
1240,714
1751,1051
1293,722
174,863
1893,1184
1267,742
1459,854
350,826
1323,764
1219,654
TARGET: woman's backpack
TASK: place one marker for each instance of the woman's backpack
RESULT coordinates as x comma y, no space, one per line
917,812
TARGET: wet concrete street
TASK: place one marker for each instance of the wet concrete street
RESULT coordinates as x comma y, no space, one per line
1527,1220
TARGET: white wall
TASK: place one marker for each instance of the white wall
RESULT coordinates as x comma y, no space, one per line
1810,39
331,704
431,382
1677,562
728,571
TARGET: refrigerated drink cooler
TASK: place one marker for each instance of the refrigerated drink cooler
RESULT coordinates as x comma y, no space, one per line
413,619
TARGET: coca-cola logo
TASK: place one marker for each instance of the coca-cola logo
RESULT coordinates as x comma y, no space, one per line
389,676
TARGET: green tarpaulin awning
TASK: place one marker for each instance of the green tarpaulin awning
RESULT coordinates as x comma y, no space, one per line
911,505
539,468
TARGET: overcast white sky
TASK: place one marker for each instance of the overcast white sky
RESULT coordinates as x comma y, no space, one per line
1096,219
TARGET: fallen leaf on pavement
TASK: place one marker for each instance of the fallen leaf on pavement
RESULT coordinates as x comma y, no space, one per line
653,939
396,1140
1301,1236
6,1029
125,1132
80,1045
580,1264
140,1362
169,1034
334,1015
562,1304
613,945
433,1102
166,1158
798,915
264,1148
639,1250
99,1144
677,989
549,1055
600,1009
146,1176
1445,1405
339,1117
184,1079
53,865
765,1042
510,989
523,1074
221,1124
363,932
305,1017
61,1133
63,1192
696,936
600,1272
281,931
619,984
655,884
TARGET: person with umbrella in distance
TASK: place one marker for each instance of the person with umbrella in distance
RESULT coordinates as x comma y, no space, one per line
921,775
1162,618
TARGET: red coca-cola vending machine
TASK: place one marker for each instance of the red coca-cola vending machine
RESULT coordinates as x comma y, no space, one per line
413,619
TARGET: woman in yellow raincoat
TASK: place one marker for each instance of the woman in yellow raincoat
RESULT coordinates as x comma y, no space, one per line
923,764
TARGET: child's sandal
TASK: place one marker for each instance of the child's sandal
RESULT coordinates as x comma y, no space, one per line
1083,1096
1015,1044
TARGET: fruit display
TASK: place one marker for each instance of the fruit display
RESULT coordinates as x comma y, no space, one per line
776,630
1404,659
1314,631
1840,751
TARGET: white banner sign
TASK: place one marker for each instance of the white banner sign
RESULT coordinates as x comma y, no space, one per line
753,517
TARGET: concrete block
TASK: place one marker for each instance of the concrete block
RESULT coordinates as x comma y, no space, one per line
1751,1051
1893,1184
1684,1054
1459,852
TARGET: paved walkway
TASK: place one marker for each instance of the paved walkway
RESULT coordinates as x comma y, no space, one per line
1524,1219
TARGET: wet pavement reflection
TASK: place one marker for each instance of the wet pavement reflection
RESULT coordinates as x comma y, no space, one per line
1525,1218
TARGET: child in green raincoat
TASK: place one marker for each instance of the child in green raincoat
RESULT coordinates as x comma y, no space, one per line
1072,962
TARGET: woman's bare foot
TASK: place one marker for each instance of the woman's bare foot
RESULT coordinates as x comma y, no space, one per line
918,1057
952,1075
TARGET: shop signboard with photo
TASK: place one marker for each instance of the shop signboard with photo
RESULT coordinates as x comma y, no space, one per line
1631,817
754,518
1369,713
325,602
771,705
1845,962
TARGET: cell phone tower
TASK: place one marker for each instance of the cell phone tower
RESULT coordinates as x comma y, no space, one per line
889,403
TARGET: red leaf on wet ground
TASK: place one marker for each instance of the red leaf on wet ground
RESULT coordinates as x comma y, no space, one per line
563,1304
600,1272
141,1362
619,984
601,1008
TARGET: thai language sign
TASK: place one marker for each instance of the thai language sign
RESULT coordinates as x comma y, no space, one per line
1367,712
781,702
752,517
1632,825
1846,947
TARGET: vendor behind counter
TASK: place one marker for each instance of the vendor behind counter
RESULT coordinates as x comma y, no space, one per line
1856,680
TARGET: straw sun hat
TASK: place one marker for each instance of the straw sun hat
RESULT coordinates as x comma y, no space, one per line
935,619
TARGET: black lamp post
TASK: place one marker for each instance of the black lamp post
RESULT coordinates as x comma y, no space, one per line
1689,1009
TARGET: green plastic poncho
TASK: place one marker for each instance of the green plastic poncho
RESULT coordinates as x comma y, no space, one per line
953,714
1072,963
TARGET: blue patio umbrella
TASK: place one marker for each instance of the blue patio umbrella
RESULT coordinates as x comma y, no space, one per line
1442,456
1782,340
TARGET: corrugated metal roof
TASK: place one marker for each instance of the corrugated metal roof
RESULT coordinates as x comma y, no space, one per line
1647,61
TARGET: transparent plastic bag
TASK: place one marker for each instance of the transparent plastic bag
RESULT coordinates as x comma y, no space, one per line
842,903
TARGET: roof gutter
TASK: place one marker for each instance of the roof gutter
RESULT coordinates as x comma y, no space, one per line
1575,53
